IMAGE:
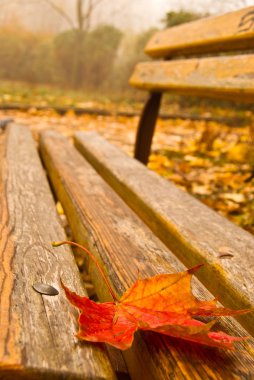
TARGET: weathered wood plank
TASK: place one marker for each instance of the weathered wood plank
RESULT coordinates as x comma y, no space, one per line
36,331
194,232
220,77
231,31
124,245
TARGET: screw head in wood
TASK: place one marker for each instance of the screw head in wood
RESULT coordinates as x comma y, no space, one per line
45,289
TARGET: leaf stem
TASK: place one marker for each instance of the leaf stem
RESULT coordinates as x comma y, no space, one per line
58,244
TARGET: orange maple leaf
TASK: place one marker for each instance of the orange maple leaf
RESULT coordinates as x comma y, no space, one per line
163,303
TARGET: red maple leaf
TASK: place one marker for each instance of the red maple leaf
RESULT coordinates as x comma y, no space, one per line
163,303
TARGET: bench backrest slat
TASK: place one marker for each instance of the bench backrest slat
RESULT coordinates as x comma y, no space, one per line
37,332
225,77
232,31
124,245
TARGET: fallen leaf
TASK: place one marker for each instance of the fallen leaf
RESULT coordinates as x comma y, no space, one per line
238,152
59,208
201,190
163,303
235,197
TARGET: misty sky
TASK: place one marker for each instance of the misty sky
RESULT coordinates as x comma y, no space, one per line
141,14
135,15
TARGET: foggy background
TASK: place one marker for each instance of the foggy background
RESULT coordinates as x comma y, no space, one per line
124,14
88,44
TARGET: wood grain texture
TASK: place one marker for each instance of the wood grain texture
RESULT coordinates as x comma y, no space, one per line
36,331
231,31
194,232
220,77
124,245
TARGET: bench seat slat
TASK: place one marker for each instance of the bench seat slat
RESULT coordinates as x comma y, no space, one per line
194,232
231,31
226,77
124,245
37,338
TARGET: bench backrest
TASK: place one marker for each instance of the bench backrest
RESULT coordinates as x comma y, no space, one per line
232,31
227,76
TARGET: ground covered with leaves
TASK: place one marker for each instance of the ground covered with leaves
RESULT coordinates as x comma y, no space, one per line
211,160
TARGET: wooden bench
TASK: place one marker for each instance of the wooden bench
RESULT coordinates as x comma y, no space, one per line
133,221
188,66
38,331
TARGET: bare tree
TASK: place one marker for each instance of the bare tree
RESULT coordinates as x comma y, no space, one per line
80,24
77,14
84,10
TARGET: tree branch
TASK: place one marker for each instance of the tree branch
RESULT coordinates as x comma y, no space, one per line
61,12
86,16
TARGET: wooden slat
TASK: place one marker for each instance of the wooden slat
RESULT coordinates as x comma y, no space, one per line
37,338
231,31
221,77
193,231
124,245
